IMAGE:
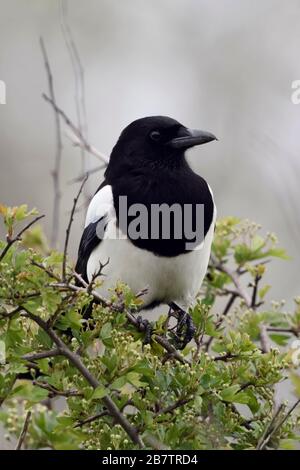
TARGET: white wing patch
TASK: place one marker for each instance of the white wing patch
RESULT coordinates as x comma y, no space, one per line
101,205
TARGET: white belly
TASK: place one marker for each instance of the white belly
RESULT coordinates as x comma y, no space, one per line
167,279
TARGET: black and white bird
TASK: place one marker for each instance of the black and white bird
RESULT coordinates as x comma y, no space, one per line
148,166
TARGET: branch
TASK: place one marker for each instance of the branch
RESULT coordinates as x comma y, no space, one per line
6,315
264,339
254,293
87,173
53,391
41,355
234,276
293,331
130,317
177,404
76,361
91,419
24,431
77,137
17,238
271,429
58,154
47,271
227,308
69,229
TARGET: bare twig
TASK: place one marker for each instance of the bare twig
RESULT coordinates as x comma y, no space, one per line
264,339
222,318
87,173
78,139
90,419
47,271
254,293
58,154
55,392
11,241
64,264
178,404
24,431
41,355
96,275
292,331
234,276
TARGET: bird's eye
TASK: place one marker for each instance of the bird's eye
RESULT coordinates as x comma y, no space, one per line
155,135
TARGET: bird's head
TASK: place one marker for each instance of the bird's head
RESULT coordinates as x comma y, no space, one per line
155,140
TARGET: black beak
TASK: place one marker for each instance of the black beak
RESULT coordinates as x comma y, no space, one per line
190,138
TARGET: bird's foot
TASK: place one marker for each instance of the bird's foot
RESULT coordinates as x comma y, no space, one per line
185,329
145,325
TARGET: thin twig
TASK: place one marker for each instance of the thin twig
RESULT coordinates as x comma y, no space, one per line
179,403
254,293
274,329
64,264
58,153
47,271
234,276
222,318
6,315
91,419
24,431
89,172
96,275
54,392
13,240
41,355
271,429
78,139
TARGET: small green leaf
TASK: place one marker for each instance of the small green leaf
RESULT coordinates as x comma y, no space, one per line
99,392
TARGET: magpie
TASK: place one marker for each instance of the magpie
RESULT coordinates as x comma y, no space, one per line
148,169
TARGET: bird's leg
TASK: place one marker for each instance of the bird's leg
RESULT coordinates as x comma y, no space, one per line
145,325
185,329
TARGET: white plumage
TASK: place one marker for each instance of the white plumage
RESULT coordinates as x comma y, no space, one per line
167,278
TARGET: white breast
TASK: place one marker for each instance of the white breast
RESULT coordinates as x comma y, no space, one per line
167,279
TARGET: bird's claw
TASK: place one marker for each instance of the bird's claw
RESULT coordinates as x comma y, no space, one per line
185,329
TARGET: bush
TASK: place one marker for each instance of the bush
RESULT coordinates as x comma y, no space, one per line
119,393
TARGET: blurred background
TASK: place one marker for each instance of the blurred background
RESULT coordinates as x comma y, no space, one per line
222,65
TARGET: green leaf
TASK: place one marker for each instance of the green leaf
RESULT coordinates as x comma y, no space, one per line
229,393
29,392
105,334
99,392
280,339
